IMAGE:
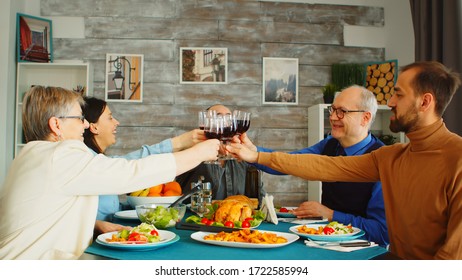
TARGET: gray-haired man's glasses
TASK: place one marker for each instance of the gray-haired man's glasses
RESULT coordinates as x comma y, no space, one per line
341,112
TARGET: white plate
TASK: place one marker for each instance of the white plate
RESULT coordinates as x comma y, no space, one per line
166,238
199,236
127,215
285,214
333,237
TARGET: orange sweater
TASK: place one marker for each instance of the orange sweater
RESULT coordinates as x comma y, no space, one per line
422,188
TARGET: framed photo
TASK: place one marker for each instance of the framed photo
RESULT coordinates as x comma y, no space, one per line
280,81
34,41
124,77
380,78
203,65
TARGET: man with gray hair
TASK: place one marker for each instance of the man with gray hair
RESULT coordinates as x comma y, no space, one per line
362,206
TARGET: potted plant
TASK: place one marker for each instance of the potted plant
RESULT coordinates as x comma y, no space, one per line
328,93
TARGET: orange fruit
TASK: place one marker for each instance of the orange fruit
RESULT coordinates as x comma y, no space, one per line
156,190
171,193
154,194
172,186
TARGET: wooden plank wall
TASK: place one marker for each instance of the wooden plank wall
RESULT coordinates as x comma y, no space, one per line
250,30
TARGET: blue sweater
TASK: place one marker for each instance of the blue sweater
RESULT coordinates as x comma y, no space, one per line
374,224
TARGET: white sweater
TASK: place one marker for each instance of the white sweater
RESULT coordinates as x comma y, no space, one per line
49,200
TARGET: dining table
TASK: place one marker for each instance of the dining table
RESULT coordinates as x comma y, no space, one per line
186,248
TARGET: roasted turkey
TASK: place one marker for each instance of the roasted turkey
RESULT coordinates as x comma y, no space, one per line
234,208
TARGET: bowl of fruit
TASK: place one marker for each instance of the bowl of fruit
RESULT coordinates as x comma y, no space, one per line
160,216
161,195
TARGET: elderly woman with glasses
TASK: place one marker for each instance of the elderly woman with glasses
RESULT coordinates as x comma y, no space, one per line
50,197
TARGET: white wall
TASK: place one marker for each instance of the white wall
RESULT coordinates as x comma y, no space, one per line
396,37
7,80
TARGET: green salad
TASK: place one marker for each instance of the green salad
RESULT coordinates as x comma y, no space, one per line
144,233
160,217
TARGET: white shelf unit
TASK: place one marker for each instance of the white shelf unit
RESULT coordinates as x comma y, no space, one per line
66,75
319,128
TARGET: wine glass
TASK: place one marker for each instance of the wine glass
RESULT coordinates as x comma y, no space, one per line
229,130
242,121
213,129
202,115
201,119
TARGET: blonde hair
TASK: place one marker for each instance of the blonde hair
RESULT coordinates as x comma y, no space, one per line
42,103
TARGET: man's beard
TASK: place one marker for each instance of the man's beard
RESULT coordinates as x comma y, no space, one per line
404,123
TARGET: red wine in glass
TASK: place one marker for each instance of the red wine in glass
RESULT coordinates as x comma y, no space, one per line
243,126
201,119
213,135
243,121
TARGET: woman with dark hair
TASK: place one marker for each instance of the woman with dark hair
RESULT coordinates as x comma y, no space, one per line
101,134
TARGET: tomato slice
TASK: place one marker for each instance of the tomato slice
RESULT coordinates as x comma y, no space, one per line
134,236
154,232
210,222
283,210
328,230
229,224
204,220
245,224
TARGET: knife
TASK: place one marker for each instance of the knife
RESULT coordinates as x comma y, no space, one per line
316,218
198,227
362,243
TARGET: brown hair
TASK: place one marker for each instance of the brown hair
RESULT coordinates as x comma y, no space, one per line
93,109
437,79
42,103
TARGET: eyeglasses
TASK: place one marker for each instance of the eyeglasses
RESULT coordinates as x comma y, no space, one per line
341,112
81,118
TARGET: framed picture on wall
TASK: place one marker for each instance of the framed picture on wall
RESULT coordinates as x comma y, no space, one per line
34,39
280,81
124,77
203,65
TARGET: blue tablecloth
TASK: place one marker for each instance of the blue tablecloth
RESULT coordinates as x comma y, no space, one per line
188,249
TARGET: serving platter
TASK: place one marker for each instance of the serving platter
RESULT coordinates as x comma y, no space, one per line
199,236
333,237
167,238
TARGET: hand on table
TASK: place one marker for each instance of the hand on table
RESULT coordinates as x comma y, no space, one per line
104,227
313,209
